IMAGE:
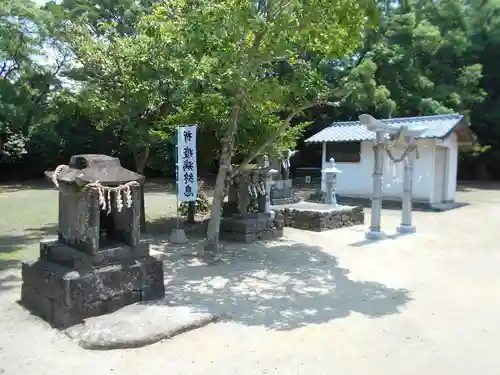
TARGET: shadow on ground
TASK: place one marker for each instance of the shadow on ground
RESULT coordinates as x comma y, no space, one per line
388,237
164,226
280,287
9,281
10,187
471,186
9,276
160,185
10,243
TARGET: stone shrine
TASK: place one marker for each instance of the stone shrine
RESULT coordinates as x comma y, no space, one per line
247,215
98,264
319,217
281,187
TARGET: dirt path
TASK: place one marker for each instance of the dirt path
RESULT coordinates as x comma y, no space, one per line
312,304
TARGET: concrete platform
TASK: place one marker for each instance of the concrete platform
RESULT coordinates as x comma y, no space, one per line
312,206
391,204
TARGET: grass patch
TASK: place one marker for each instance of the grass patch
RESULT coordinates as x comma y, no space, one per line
29,214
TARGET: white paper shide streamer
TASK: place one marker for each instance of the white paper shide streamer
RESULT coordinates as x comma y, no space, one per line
186,163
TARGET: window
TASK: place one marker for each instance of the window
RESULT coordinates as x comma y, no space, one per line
344,152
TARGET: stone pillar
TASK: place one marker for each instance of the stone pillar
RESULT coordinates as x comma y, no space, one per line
406,213
334,195
242,184
232,192
285,172
375,232
329,189
266,176
127,221
79,218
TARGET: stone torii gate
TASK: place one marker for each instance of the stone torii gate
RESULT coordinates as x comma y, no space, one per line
389,137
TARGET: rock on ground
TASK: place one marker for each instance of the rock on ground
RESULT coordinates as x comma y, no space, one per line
137,325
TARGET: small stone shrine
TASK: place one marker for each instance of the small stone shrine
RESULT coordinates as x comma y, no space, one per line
319,217
247,215
281,187
98,263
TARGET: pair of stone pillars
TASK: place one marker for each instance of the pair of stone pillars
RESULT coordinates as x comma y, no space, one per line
406,226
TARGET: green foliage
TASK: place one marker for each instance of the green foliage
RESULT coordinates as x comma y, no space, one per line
140,68
260,65
316,196
124,14
125,83
202,203
29,80
417,62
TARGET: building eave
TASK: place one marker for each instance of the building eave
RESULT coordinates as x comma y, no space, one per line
353,131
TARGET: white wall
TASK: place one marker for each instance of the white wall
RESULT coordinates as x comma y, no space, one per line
356,178
451,179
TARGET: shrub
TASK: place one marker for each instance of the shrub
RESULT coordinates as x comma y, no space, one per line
317,196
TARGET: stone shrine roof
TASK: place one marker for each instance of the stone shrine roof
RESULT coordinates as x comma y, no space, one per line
83,169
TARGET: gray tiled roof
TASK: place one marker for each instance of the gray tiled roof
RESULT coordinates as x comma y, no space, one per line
438,126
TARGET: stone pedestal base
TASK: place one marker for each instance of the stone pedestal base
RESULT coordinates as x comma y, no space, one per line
66,286
375,235
406,229
178,237
320,217
251,227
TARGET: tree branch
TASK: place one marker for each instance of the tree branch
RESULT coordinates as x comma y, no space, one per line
5,72
281,6
15,66
280,130
283,126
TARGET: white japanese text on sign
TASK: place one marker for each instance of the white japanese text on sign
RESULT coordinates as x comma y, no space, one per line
186,163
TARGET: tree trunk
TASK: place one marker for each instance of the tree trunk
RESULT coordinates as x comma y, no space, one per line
223,178
281,128
212,237
191,212
143,224
140,159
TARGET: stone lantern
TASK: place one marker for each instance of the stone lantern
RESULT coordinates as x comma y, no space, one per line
330,173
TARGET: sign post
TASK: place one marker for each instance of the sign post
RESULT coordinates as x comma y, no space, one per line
186,174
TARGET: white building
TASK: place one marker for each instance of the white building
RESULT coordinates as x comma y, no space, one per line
435,171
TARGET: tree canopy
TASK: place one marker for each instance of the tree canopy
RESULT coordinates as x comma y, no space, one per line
120,75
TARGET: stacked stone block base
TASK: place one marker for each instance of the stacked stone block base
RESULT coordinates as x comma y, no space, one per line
66,286
251,227
321,220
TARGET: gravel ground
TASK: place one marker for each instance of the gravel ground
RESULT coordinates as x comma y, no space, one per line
311,304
